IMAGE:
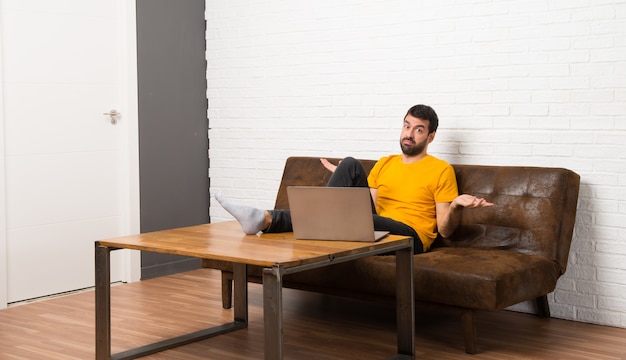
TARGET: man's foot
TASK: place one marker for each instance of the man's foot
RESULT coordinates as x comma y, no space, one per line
250,218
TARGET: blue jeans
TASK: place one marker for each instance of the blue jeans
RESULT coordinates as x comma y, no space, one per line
350,173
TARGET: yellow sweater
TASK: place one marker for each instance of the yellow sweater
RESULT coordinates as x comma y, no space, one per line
408,192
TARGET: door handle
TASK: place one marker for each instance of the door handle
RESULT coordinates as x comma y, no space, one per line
114,115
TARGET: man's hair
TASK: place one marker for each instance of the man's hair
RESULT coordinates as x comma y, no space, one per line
425,112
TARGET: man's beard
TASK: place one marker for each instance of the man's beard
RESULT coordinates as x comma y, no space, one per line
414,149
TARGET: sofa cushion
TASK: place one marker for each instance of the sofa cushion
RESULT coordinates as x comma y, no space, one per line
464,277
482,279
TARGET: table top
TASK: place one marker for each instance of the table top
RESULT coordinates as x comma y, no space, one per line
226,241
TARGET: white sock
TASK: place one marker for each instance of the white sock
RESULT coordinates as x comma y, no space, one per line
250,218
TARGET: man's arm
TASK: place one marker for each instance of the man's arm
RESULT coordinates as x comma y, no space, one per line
374,193
449,214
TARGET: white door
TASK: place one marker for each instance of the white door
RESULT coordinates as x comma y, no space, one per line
71,176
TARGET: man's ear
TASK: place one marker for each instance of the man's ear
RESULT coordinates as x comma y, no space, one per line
431,136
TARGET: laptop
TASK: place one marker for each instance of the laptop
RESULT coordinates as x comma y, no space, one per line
332,213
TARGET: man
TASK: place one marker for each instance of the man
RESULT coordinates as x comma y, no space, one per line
413,193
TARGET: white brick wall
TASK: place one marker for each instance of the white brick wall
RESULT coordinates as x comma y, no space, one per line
540,83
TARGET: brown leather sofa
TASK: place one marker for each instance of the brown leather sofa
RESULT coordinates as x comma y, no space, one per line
499,256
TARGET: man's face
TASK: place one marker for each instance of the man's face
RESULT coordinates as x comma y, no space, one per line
415,138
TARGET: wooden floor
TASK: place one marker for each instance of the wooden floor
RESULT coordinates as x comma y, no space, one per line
315,327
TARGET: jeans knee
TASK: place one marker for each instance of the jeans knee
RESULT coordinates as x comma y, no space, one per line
349,161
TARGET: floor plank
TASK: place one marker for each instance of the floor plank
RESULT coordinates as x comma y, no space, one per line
315,327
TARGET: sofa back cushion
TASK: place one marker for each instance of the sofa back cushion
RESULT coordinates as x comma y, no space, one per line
306,171
534,210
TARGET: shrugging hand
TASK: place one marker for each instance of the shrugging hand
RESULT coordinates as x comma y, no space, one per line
328,165
471,201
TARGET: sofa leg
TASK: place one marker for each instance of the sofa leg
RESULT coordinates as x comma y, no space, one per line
543,308
468,318
227,291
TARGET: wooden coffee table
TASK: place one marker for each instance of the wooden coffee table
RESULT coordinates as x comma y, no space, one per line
279,255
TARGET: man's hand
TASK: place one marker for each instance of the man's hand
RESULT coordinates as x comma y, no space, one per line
449,214
470,201
328,165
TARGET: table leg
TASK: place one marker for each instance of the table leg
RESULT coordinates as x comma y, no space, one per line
273,312
240,290
103,302
103,313
405,303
